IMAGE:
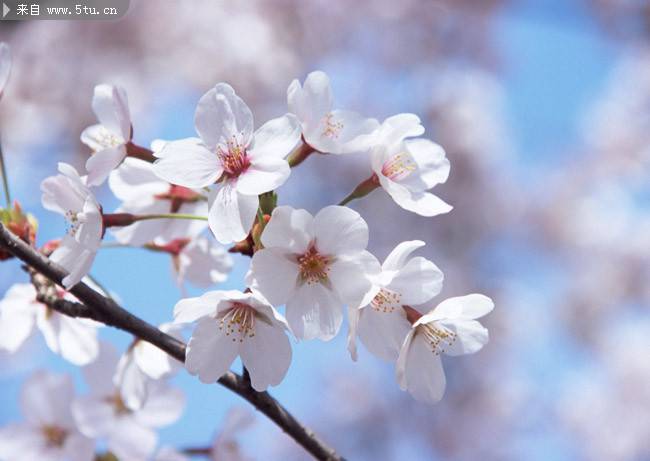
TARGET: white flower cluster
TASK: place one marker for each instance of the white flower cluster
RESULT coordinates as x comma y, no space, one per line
313,265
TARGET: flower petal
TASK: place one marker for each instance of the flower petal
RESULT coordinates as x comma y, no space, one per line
276,138
422,203
267,355
131,440
342,132
273,274
397,258
383,333
312,101
289,229
111,107
221,114
77,340
314,312
231,214
210,351
37,404
263,175
417,282
188,162
470,306
94,415
135,181
352,278
432,167
203,263
340,230
471,336
78,448
5,66
163,406
17,315
190,310
419,371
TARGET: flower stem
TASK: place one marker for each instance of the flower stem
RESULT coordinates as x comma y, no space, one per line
5,178
146,217
133,150
126,219
363,189
300,154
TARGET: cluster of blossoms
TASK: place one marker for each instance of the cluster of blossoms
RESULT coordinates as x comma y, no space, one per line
313,265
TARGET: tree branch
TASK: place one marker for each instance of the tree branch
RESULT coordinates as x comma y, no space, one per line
98,307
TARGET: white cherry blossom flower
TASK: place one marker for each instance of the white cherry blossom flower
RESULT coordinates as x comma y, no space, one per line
67,194
246,164
49,431
5,66
231,324
324,129
202,262
107,139
225,446
141,364
143,192
449,328
130,434
382,324
315,265
408,168
74,339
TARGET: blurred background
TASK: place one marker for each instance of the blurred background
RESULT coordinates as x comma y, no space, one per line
544,111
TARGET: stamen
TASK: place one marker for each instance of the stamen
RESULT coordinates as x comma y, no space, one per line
438,337
332,127
54,436
234,158
313,266
386,301
239,321
398,167
107,139
119,407
74,221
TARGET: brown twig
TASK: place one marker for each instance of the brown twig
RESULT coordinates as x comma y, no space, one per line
97,307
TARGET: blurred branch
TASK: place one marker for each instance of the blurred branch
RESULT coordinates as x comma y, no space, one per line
97,307
5,178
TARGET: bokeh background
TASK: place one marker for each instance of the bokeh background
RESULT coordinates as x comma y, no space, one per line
544,111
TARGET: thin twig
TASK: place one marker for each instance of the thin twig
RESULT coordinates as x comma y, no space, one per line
96,306
5,178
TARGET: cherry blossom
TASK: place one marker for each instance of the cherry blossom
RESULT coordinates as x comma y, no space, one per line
231,324
49,431
407,168
382,324
74,339
449,328
107,139
315,265
246,164
202,262
141,364
324,129
67,194
143,192
225,446
130,434
5,66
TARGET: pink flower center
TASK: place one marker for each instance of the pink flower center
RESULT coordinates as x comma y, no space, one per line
398,167
313,266
239,321
438,337
332,127
386,301
54,435
234,158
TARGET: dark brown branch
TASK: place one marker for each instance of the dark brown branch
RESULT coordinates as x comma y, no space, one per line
98,307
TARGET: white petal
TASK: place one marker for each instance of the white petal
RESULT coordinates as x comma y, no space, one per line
470,306
37,404
340,230
5,66
136,181
188,162
422,203
164,406
111,107
75,258
342,132
276,138
62,193
398,127
383,333
129,440
79,448
190,310
274,274
314,312
17,315
423,375
353,327
221,114
267,355
231,214
154,362
20,442
203,263
352,277
146,231
417,281
131,382
94,415
263,175
94,136
78,342
210,351
99,374
101,163
432,165
311,102
471,336
289,229
397,258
